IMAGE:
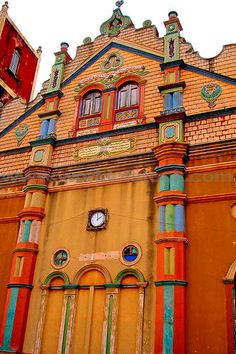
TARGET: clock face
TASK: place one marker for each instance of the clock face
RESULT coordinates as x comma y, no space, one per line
97,218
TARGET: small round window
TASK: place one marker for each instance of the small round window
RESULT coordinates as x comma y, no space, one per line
131,254
60,258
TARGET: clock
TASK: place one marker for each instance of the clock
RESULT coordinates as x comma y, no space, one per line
97,219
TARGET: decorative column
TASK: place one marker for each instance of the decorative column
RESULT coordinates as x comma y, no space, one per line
24,258
37,177
171,237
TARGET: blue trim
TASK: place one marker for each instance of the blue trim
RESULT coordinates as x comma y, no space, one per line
98,56
20,286
171,282
86,65
210,74
104,51
21,118
15,151
104,134
212,114
169,168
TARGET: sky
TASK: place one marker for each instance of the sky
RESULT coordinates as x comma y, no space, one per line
207,24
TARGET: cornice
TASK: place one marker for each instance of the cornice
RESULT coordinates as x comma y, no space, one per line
211,114
211,198
211,149
9,220
171,197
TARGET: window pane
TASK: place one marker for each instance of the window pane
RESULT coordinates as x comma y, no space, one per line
134,93
92,103
97,104
128,95
167,101
86,106
14,61
177,99
122,98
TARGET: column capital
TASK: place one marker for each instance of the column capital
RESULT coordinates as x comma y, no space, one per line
170,153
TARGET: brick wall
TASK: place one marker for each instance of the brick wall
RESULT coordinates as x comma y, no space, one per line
212,129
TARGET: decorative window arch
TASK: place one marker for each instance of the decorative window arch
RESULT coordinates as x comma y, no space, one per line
91,103
89,109
53,291
129,102
128,95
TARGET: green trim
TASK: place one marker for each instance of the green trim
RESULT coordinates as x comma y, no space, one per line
71,286
126,272
66,325
171,282
55,287
109,326
88,286
32,250
116,23
112,285
30,187
174,89
56,274
46,141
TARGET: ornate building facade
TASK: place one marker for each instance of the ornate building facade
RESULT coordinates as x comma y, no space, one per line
118,200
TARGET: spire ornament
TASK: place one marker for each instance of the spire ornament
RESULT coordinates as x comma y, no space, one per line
117,22
119,3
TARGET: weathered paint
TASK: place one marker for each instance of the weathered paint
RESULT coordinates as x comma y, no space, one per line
26,231
162,218
176,182
65,332
109,325
168,335
170,217
164,183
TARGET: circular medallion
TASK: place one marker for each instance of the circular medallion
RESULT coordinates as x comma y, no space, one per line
60,258
131,253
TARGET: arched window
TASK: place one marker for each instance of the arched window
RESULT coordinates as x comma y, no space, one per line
128,95
127,105
91,103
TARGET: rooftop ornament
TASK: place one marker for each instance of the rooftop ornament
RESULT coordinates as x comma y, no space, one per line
119,3
117,22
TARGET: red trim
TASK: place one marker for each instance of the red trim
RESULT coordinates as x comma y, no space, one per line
130,77
179,319
22,307
95,86
3,324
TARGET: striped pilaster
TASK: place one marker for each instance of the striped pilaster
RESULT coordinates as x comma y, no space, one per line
23,261
170,242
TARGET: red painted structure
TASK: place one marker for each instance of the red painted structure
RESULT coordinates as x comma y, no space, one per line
18,84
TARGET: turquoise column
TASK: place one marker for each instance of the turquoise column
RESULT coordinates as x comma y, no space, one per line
6,345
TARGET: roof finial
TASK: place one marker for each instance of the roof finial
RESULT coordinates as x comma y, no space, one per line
5,7
119,3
